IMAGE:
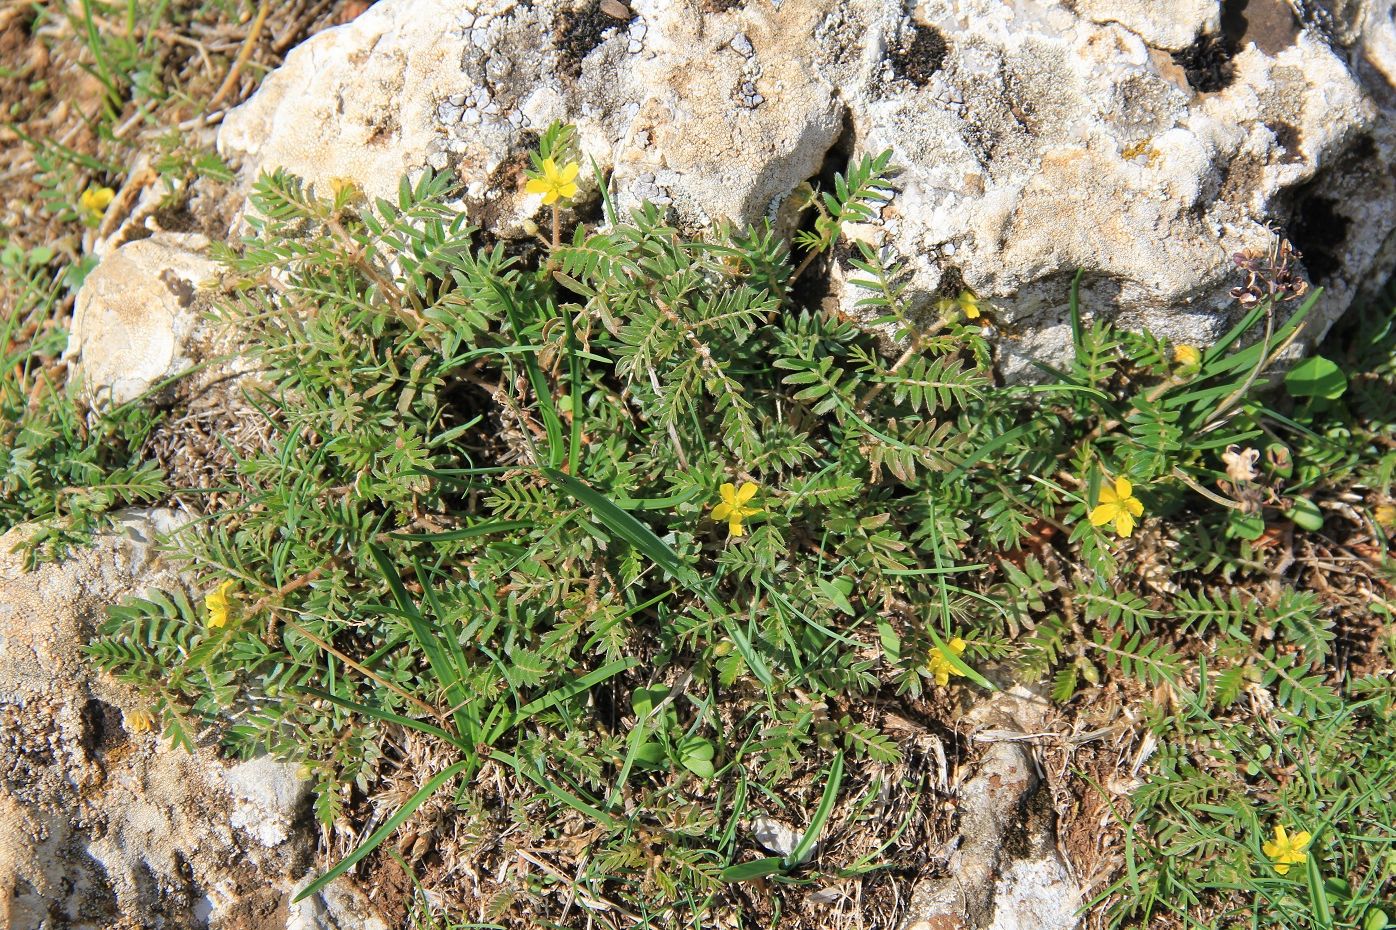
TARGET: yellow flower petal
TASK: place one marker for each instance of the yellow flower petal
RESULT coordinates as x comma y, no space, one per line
537,186
734,526
567,191
957,646
728,493
549,168
139,721
1300,842
722,511
96,199
1124,522
747,492
1108,495
218,604
1282,868
568,173
1104,513
1134,505
1123,489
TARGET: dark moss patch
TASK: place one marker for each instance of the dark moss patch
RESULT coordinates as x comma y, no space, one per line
1288,137
919,55
1320,233
722,6
1207,63
577,34
1270,24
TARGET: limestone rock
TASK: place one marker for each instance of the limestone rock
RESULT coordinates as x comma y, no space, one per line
135,313
1005,873
1052,137
718,115
101,826
1142,142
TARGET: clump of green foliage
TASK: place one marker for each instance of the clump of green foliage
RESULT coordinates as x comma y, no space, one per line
62,466
487,517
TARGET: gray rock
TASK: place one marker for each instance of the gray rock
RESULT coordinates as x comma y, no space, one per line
101,824
1005,872
135,313
1036,137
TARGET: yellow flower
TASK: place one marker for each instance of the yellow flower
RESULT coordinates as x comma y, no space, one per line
734,507
1287,850
555,184
965,302
95,200
1118,505
139,721
1386,516
218,604
1187,356
940,666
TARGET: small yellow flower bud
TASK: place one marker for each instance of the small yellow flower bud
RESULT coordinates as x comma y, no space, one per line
95,200
1186,356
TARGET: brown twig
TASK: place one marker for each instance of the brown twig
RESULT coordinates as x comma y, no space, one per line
244,54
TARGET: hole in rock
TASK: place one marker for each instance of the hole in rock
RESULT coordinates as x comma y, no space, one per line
101,725
813,287
919,54
1319,232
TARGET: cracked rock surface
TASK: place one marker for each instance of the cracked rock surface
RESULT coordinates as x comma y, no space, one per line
1142,142
102,827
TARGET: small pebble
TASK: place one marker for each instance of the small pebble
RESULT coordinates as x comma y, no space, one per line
615,9
743,45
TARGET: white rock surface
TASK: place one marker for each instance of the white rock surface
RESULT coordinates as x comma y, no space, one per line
101,827
1005,873
135,313
1036,136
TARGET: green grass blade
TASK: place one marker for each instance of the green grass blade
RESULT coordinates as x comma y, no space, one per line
552,424
802,849
626,527
442,666
747,871
571,689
